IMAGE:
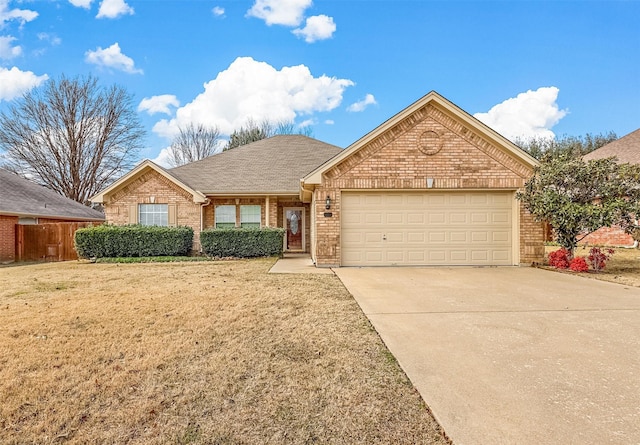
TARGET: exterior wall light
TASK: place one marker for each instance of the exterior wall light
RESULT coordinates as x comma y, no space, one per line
429,183
327,203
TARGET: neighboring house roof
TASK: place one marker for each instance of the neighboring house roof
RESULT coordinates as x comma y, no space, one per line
315,177
626,149
20,197
140,169
270,166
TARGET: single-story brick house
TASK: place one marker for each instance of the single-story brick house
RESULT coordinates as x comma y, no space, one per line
25,202
430,186
627,150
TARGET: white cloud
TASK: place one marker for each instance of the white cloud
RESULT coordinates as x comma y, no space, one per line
318,27
163,158
21,15
218,11
14,82
362,104
112,9
112,57
252,89
51,38
6,50
530,114
329,122
86,4
158,104
280,12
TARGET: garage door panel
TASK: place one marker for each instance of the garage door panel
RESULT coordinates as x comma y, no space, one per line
395,237
415,218
371,200
458,218
431,228
395,218
479,255
479,218
459,256
436,217
458,237
479,237
417,256
437,256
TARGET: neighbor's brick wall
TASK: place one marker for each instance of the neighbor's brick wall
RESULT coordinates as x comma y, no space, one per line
393,161
608,236
153,184
8,238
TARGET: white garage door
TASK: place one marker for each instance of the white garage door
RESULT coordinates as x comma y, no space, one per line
427,228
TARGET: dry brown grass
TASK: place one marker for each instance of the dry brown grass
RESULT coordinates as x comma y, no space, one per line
202,353
623,267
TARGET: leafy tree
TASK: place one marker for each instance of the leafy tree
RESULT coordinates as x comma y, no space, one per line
252,132
72,135
578,197
193,142
574,145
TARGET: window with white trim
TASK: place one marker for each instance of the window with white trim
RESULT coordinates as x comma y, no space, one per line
225,216
250,216
153,214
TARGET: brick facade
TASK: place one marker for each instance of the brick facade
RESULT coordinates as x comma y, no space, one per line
429,143
8,238
151,186
608,236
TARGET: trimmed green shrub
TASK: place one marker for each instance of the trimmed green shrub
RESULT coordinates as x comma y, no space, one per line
242,243
108,241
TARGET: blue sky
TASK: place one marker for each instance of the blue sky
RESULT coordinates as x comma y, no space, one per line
340,66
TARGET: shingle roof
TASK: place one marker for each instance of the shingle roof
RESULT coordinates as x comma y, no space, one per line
626,149
25,198
270,166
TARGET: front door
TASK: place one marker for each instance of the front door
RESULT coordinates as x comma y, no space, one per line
294,224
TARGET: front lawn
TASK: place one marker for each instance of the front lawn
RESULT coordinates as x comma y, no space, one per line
623,267
201,353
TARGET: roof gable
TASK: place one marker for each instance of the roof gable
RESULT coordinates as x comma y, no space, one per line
139,170
21,197
483,137
626,149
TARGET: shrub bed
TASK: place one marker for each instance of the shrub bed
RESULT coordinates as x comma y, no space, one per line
133,241
242,243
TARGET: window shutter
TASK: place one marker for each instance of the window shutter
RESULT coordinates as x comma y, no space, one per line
133,214
173,217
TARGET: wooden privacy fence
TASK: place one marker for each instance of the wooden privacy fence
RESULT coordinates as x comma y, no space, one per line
47,242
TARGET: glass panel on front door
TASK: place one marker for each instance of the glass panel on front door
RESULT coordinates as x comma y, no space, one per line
295,226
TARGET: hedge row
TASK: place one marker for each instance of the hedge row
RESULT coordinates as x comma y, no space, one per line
242,243
133,241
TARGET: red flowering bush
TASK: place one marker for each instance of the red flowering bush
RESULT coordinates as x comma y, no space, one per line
579,264
559,259
598,258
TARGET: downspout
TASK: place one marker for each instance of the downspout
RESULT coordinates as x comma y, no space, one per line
266,212
202,206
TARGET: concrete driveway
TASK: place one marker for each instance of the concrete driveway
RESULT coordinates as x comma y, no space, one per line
512,355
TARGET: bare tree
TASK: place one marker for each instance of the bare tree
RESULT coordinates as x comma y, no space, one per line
72,135
194,142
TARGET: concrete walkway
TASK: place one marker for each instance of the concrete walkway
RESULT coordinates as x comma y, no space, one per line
298,263
512,355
